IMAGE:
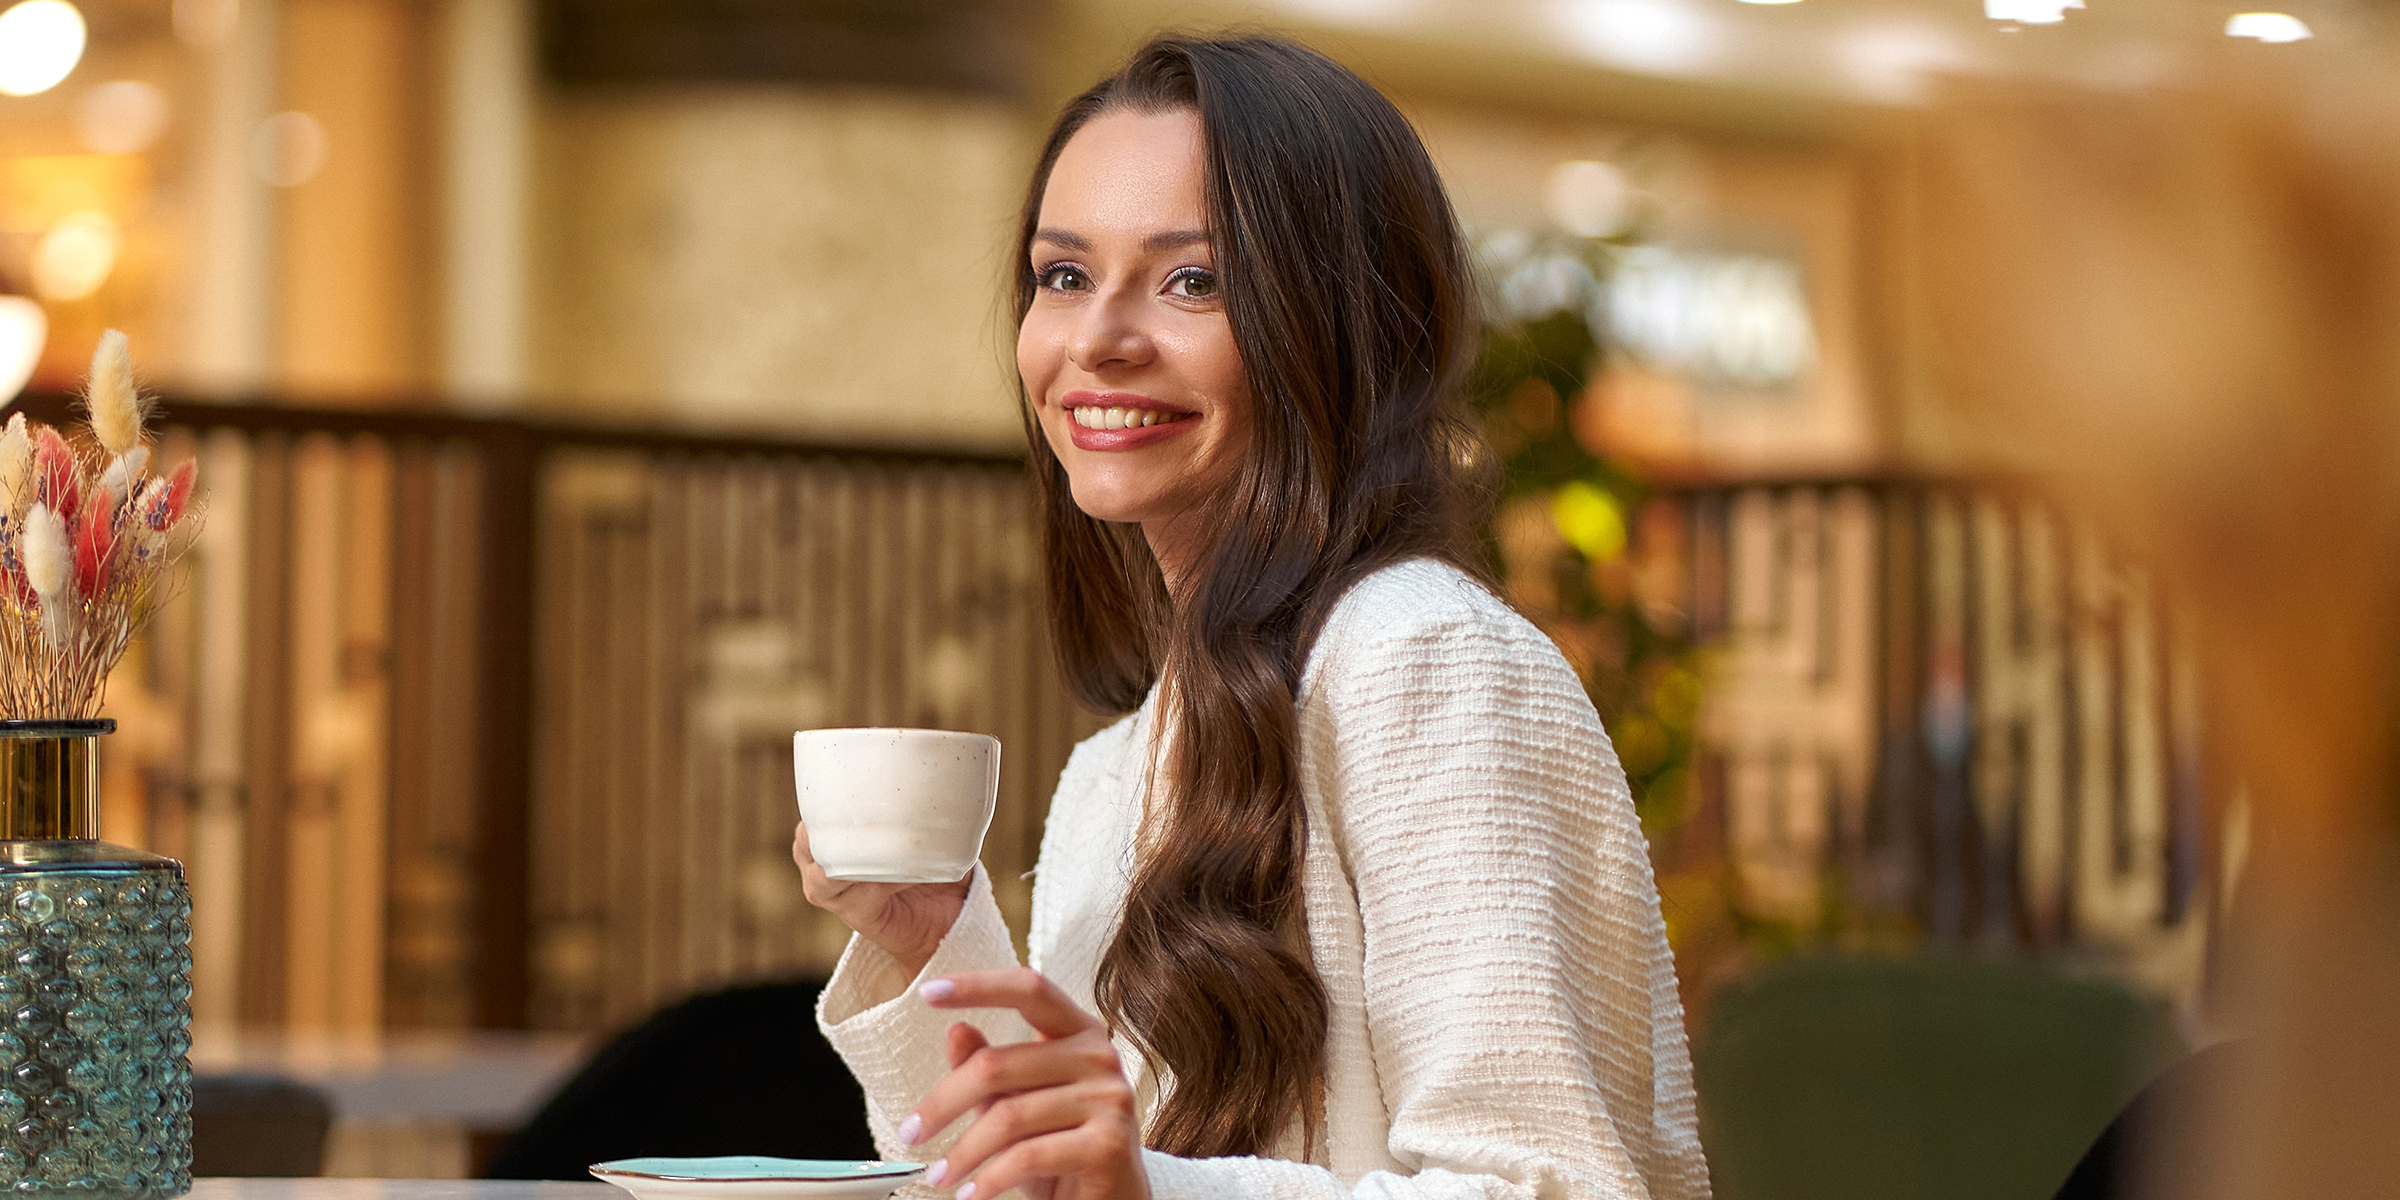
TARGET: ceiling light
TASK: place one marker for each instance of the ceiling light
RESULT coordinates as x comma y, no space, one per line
2267,27
2029,12
40,43
1660,37
1890,60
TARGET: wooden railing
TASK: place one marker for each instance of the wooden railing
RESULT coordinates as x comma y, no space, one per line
1950,710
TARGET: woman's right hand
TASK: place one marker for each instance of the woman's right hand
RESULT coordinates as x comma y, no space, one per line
905,920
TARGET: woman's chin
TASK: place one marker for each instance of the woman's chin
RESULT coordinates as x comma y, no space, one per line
1114,504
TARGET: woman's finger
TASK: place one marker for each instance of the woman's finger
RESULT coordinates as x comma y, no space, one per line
814,882
1024,989
992,1072
1093,1148
1019,1118
962,1043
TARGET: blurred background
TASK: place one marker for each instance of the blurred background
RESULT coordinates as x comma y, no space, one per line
588,393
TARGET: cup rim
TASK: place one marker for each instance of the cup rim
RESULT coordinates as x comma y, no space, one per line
904,730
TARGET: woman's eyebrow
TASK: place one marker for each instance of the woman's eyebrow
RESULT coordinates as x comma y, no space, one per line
1064,239
1168,239
1173,239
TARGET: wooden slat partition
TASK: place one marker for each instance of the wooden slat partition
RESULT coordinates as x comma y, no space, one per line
1949,706
696,611
463,722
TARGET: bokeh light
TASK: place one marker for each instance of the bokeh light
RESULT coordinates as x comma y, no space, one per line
2029,12
121,117
75,257
24,328
40,43
1589,199
1590,520
2267,27
288,149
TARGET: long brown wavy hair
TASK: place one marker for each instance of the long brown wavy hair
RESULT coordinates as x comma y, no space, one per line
1348,292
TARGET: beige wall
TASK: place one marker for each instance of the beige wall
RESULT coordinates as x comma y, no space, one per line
826,264
353,267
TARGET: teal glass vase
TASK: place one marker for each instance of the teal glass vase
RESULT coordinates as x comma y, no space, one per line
95,985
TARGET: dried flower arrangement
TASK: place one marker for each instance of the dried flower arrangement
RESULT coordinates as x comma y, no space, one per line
88,540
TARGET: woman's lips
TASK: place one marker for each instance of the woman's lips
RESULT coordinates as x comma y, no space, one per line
1126,412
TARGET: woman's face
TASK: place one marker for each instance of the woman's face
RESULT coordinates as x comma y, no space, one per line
1126,352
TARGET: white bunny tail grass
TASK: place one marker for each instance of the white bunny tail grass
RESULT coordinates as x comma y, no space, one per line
49,558
122,471
114,404
16,464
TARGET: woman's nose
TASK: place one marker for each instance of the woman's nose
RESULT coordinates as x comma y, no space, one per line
1110,333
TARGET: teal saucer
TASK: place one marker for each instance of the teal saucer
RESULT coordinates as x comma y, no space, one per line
755,1177
731,1168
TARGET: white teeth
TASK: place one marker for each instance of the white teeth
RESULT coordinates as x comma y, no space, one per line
1095,417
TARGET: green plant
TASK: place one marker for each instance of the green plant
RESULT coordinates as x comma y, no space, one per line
1576,534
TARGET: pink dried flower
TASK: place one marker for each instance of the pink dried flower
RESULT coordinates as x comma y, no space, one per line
12,578
95,541
55,475
163,506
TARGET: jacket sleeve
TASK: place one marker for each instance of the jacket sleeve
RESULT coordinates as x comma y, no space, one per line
1519,993
892,1041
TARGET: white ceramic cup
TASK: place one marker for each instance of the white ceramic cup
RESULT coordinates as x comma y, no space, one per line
895,805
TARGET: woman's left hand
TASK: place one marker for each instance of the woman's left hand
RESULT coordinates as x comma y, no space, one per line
1053,1116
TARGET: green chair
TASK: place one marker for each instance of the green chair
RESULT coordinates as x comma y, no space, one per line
1942,1078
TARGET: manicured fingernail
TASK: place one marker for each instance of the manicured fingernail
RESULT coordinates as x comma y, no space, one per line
937,990
934,1173
966,1191
911,1129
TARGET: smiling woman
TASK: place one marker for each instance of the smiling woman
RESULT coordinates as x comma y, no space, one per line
1124,344
1354,900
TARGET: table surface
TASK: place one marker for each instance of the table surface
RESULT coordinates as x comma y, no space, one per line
397,1189
479,1080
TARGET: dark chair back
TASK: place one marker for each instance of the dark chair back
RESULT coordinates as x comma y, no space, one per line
258,1126
1944,1078
742,1071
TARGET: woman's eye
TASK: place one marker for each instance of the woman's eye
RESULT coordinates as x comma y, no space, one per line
1063,278
1193,283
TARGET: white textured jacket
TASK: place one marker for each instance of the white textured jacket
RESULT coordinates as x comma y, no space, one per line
1504,1020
